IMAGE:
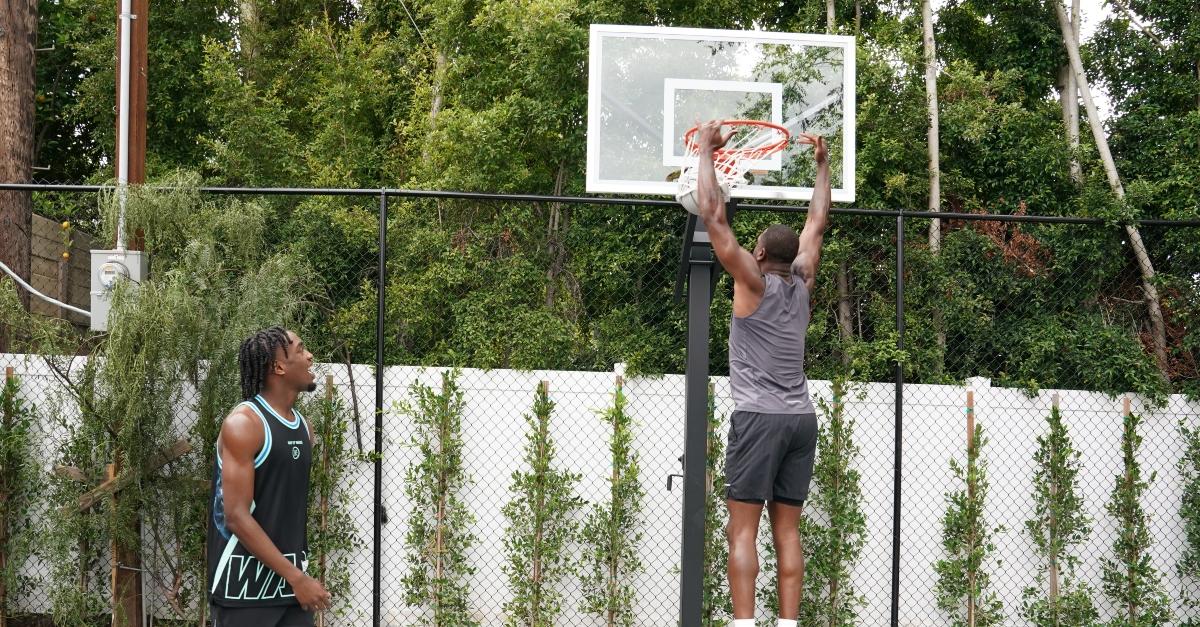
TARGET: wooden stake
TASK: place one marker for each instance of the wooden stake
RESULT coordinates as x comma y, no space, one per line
1125,406
971,496
970,419
126,571
1053,574
113,484
324,507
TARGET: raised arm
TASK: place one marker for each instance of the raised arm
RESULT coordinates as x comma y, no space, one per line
736,260
813,233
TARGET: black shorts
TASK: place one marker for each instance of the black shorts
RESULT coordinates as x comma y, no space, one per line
273,616
770,457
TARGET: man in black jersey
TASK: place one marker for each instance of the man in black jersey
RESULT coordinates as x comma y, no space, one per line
257,536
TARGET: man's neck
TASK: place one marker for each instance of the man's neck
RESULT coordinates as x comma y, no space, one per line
281,400
777,268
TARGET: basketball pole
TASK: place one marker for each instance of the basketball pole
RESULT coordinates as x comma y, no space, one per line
703,270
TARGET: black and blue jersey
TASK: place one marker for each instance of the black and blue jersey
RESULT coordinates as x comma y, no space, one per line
281,475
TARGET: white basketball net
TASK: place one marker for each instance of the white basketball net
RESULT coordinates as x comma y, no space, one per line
730,163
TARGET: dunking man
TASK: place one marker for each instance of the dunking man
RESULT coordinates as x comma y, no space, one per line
257,537
773,429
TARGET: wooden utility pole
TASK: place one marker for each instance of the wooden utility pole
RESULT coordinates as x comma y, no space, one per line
127,558
138,46
139,35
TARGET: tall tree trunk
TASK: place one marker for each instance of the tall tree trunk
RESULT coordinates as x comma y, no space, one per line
845,323
1069,95
248,34
1157,323
931,98
857,18
435,109
435,104
18,34
555,246
935,167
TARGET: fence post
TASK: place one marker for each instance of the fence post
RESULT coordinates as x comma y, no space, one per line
899,443
380,296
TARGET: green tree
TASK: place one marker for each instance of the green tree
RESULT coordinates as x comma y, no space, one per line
963,585
20,489
1060,524
717,604
332,533
172,343
1189,510
438,528
611,533
835,527
1130,581
542,525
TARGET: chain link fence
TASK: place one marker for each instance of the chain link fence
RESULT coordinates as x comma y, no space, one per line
532,421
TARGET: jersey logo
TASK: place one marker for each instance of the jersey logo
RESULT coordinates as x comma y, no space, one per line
248,579
295,452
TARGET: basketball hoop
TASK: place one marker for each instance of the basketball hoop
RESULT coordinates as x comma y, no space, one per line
752,140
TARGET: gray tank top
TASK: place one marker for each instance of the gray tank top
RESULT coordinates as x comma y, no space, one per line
766,351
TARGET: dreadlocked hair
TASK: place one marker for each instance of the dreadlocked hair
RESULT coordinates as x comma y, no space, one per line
256,355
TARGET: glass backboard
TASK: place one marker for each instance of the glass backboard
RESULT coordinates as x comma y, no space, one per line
648,85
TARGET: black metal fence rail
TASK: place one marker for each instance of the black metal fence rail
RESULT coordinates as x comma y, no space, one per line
953,349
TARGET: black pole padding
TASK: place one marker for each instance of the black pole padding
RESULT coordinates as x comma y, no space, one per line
695,450
381,296
899,443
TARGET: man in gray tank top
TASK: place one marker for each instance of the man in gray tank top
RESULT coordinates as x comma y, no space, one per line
773,429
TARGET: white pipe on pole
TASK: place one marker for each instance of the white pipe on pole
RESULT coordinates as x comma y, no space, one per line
123,120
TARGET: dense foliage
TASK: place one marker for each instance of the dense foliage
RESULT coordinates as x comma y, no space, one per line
490,96
20,485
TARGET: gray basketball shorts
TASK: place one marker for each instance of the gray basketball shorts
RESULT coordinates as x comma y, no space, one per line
770,457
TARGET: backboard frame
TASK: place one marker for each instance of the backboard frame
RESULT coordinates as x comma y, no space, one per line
600,32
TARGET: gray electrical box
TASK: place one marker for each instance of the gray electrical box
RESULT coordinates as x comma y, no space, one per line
109,267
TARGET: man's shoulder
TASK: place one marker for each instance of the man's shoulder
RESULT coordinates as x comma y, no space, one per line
243,421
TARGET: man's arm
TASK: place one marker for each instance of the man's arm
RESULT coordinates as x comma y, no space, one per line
813,233
736,260
240,441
